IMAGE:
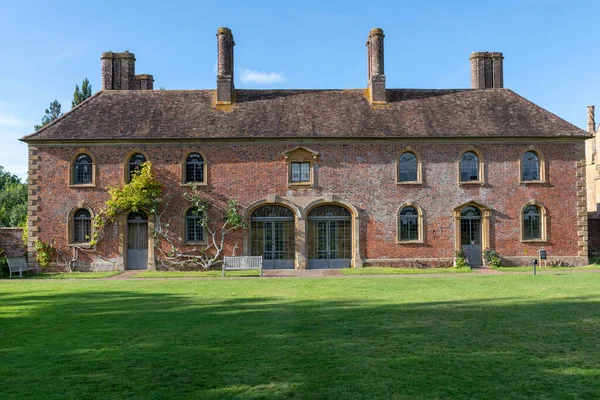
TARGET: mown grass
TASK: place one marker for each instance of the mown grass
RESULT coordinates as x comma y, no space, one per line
466,336
547,269
194,274
401,271
71,275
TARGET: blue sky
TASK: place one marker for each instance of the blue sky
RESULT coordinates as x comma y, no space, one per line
550,48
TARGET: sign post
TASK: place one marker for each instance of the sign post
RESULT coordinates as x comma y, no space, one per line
534,263
542,255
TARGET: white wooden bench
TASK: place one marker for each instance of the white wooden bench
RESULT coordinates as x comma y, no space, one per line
242,263
19,264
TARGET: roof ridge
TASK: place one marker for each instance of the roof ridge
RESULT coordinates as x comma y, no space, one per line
63,116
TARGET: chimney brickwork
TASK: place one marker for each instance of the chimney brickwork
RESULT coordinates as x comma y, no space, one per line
376,83
225,83
487,70
118,73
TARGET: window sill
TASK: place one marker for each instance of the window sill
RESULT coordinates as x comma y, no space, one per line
531,182
411,242
85,245
193,244
300,184
82,185
409,183
534,241
480,183
193,183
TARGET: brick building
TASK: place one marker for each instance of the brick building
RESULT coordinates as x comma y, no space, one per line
325,178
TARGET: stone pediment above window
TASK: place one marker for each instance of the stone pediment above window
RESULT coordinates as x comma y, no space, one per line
300,165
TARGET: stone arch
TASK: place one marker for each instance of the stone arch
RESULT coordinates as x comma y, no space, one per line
485,224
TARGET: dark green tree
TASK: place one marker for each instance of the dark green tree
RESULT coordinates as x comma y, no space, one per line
52,113
13,199
80,95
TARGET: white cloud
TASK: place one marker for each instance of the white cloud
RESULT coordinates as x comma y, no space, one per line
265,78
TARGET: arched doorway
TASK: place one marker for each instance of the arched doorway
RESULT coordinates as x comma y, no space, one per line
137,240
329,237
272,236
470,234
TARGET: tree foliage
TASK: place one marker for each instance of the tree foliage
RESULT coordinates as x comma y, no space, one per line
82,94
144,191
13,200
51,113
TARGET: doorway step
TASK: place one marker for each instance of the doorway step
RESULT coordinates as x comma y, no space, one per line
299,273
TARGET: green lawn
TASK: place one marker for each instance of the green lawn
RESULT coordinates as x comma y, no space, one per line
194,274
71,275
401,271
529,268
465,336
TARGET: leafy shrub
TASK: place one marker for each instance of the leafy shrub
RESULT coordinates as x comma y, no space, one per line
460,260
492,258
559,263
44,253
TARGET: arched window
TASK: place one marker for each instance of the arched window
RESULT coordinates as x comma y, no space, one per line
532,223
194,168
82,226
135,164
82,170
532,167
408,167
194,226
469,167
409,224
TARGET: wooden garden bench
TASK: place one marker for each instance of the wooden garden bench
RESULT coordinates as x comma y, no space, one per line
242,263
19,264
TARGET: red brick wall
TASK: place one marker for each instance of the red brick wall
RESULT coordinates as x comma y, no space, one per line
361,174
11,242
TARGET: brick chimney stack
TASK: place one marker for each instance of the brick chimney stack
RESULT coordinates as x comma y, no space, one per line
486,70
225,86
591,120
376,83
118,73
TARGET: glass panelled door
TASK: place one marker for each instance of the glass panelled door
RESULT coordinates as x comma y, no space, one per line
137,240
470,235
329,237
272,237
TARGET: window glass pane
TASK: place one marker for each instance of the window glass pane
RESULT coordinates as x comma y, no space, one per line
194,168
300,172
531,166
409,224
469,167
135,163
532,223
82,170
194,231
408,167
82,226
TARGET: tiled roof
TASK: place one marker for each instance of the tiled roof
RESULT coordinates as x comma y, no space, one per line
410,113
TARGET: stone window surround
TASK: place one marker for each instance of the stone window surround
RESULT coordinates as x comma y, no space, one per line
183,231
126,162
79,152
421,238
71,225
543,222
123,232
485,225
479,154
419,181
300,221
300,154
542,165
183,168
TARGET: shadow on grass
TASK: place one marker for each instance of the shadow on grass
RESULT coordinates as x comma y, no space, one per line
90,344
